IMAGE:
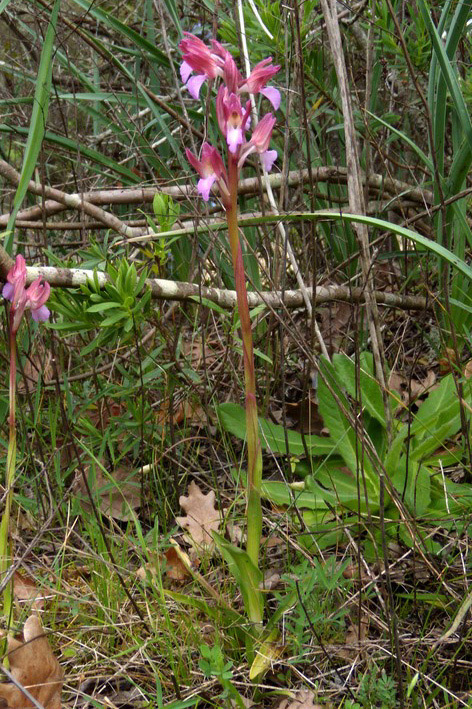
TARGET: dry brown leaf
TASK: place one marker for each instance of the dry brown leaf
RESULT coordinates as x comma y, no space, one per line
174,561
397,382
34,667
468,369
118,494
175,568
303,699
356,634
202,517
335,320
26,592
448,361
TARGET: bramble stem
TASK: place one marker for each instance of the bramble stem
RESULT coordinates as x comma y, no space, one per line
254,467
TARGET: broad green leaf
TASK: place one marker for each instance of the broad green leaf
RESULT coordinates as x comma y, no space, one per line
434,408
368,392
266,653
279,493
346,491
233,420
100,307
340,430
248,577
413,484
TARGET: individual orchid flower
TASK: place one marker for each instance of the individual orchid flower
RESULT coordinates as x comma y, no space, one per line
32,298
206,63
260,142
198,58
211,169
37,294
257,80
232,119
16,279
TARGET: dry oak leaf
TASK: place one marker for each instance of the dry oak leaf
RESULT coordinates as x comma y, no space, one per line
202,517
34,667
303,699
175,568
118,493
26,592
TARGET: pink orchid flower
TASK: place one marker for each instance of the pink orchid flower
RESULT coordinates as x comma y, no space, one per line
206,62
232,120
38,293
32,298
211,169
16,279
260,142
257,80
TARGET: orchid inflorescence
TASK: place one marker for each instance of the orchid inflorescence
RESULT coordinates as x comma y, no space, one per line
32,298
201,63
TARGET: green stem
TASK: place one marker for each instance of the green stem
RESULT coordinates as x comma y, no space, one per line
254,468
5,547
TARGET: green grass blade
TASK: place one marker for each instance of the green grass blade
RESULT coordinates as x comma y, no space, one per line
448,72
38,121
73,147
416,149
112,22
173,13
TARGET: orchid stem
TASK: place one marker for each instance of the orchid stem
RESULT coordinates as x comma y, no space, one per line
5,543
254,468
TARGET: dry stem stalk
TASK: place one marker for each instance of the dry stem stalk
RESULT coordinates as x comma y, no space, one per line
356,196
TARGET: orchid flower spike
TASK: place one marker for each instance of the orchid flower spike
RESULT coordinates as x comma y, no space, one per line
260,142
211,169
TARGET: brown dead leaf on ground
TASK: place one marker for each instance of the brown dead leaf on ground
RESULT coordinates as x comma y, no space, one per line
117,494
304,699
356,635
186,411
412,389
26,592
34,667
202,517
334,325
172,563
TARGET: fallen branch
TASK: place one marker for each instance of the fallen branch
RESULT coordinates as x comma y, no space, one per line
162,289
72,201
142,195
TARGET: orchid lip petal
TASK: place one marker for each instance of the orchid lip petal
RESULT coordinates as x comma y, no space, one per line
268,158
195,83
234,138
204,186
41,314
8,290
273,95
185,71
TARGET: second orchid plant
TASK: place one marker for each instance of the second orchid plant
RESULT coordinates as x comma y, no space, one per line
201,63
21,300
